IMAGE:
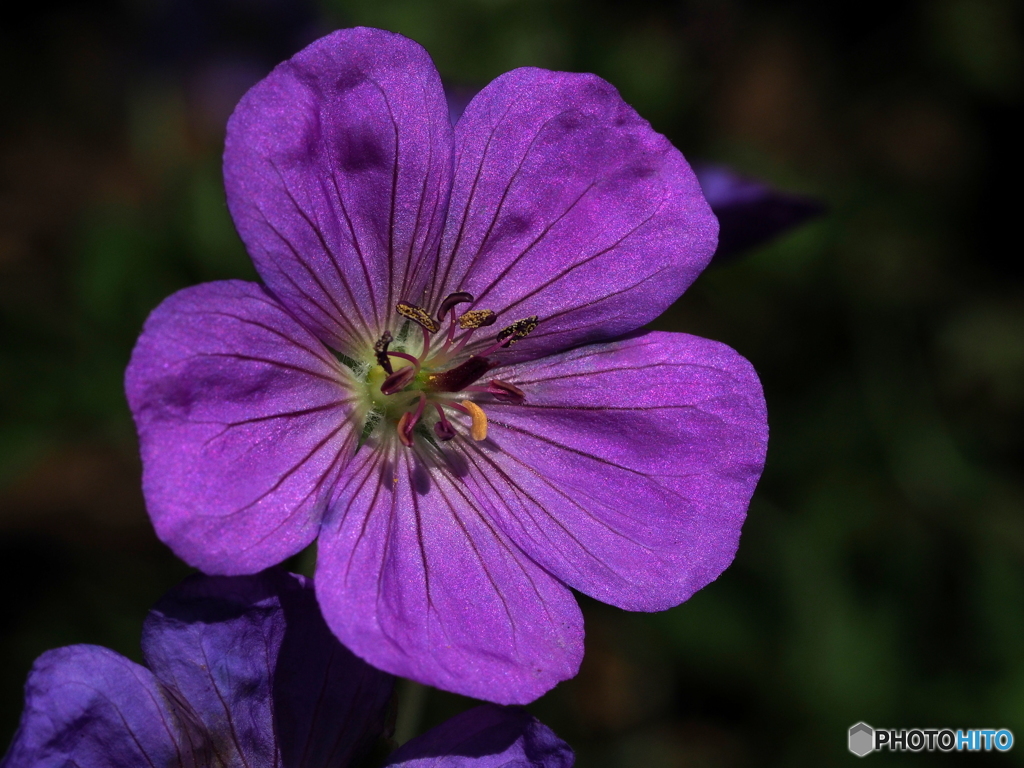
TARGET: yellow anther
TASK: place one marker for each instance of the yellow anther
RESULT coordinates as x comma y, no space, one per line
519,330
477,318
478,429
417,314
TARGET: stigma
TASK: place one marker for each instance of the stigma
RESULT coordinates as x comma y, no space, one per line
431,368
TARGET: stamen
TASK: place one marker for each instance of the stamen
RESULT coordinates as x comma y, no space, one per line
408,421
443,428
478,428
502,391
506,393
461,376
477,318
417,315
519,330
426,344
405,429
459,297
470,321
429,376
398,380
414,360
381,348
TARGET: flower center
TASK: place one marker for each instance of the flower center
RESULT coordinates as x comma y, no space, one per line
416,381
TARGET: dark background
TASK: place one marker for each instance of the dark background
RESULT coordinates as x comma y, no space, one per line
881,573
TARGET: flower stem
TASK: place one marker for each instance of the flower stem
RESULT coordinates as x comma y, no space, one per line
412,697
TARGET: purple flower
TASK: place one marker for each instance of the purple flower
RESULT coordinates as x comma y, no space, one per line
425,384
751,212
243,672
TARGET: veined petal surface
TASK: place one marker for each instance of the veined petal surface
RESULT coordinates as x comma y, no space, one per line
89,707
486,737
628,471
567,205
337,168
243,423
258,666
418,581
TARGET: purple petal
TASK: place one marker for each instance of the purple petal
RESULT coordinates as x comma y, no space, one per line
257,664
330,706
628,471
568,206
337,168
90,707
750,212
242,419
416,580
486,737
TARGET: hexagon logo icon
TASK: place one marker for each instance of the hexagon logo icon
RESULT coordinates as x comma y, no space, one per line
862,739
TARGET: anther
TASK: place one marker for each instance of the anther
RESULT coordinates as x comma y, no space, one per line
519,330
405,427
461,376
506,393
417,315
478,427
443,428
381,348
398,380
459,297
477,318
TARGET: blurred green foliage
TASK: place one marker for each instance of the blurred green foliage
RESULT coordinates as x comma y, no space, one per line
881,573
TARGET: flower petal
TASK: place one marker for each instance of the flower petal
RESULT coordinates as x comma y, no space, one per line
90,707
337,168
568,206
414,579
628,471
243,421
330,706
257,664
486,737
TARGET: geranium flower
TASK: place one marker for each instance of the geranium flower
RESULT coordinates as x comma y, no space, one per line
425,381
750,212
243,672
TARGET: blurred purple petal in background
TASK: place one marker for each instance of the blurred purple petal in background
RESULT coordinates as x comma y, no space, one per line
750,212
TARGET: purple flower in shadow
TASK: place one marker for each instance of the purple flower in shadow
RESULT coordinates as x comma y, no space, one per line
441,379
750,212
242,671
